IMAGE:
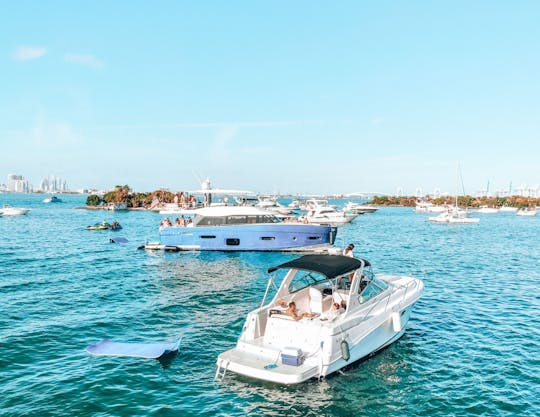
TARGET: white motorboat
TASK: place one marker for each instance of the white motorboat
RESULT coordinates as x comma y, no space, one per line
508,209
315,203
526,212
487,210
8,210
329,215
423,206
271,204
347,322
359,208
454,215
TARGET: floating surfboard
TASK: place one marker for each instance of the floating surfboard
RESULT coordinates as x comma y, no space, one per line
136,350
118,240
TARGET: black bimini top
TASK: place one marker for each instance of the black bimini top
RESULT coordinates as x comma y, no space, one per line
329,265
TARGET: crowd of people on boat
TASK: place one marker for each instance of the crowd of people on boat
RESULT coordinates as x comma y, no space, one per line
178,222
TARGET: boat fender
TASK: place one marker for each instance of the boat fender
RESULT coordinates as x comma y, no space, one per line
345,352
396,321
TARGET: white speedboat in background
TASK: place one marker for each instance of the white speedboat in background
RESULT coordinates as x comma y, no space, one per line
423,206
526,212
370,313
329,215
508,209
454,215
487,210
358,208
8,210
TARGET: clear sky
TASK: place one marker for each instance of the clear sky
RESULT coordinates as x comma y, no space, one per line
271,96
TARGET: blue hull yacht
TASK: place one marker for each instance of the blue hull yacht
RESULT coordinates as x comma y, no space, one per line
241,228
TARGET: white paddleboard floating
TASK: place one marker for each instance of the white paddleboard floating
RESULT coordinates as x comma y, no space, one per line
136,350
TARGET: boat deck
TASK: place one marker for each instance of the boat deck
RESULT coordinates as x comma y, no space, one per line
265,368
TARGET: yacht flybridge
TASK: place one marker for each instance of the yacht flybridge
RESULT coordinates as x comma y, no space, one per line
352,314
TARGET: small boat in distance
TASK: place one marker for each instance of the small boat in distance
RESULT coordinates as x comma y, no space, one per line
508,209
527,212
487,210
454,215
423,206
8,210
52,199
329,215
358,208
353,314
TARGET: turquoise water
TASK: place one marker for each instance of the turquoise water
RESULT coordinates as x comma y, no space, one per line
472,346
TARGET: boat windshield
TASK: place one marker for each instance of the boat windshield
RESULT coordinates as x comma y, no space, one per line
303,279
370,286
235,219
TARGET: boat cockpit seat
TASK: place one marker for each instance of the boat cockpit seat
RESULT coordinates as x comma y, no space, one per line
315,300
341,297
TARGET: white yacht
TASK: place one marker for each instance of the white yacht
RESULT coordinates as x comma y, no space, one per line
359,208
8,210
454,215
527,212
315,203
354,313
487,210
508,209
423,206
329,215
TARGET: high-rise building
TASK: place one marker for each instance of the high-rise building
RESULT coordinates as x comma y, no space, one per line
17,184
53,184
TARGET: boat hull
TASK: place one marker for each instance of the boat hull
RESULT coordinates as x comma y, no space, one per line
260,363
256,237
14,211
324,346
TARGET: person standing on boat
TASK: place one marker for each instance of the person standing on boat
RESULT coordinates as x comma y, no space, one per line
348,251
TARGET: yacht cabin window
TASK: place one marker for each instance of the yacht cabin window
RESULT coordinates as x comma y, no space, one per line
242,219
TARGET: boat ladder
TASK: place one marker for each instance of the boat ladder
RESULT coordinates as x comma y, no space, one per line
221,369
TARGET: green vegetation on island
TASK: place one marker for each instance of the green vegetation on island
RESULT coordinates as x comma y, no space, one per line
124,194
463,201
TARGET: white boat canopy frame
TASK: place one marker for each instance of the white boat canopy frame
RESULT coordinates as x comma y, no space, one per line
330,266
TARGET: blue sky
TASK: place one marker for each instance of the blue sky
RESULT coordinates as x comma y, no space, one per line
280,96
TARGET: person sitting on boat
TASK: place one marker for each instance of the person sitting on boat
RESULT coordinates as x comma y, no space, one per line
282,303
165,222
182,221
334,312
291,311
189,222
177,222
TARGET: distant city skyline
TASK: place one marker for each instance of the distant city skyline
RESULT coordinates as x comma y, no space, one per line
18,183
290,97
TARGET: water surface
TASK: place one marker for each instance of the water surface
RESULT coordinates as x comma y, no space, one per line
471,348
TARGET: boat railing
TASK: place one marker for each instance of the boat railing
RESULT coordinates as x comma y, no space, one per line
410,285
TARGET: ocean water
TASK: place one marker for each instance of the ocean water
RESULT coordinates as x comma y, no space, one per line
472,346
